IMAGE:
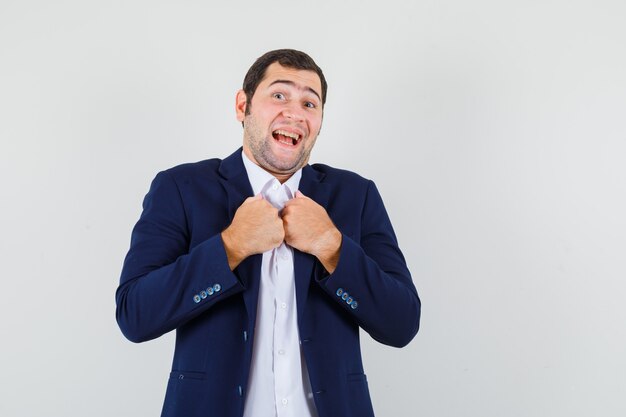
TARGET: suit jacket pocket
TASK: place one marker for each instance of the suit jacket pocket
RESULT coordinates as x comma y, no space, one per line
182,375
185,391
359,376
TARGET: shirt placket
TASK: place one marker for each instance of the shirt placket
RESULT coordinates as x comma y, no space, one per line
282,349
284,290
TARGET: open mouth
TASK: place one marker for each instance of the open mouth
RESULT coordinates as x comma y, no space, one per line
286,138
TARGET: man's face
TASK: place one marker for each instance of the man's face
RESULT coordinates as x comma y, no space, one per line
283,121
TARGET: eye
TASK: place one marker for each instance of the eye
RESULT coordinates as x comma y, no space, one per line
279,96
309,105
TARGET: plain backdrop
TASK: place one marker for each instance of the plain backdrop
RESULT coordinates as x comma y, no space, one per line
495,131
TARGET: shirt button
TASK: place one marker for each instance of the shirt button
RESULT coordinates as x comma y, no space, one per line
283,305
284,401
281,352
275,187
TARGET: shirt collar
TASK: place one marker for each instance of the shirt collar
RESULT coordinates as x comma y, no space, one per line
259,178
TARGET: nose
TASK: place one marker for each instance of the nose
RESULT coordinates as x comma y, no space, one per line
294,112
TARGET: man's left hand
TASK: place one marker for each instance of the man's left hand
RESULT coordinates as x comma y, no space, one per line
309,229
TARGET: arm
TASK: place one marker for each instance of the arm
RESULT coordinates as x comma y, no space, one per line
373,272
368,278
387,306
164,284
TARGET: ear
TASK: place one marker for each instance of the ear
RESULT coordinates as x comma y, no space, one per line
240,105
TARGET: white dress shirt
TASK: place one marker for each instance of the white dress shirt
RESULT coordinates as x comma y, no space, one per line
279,383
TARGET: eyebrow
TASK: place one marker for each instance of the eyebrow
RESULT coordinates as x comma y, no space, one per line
294,84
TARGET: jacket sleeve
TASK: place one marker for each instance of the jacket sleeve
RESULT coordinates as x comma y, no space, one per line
163,283
372,282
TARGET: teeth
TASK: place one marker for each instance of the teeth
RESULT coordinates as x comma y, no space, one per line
288,134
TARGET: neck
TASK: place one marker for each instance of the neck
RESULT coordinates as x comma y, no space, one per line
280,176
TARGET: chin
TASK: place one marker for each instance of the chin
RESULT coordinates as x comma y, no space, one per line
281,165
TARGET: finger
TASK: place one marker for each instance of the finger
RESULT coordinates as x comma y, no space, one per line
255,198
292,207
289,203
298,199
299,194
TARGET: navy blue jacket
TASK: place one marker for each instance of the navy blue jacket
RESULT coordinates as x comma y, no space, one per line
176,276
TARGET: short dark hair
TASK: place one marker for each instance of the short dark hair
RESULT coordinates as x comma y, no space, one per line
289,58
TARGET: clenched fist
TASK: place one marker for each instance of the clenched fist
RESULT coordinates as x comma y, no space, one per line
256,228
309,229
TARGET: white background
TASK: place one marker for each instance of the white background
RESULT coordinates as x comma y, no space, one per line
495,131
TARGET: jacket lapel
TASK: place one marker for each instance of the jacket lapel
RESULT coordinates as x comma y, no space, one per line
311,186
235,182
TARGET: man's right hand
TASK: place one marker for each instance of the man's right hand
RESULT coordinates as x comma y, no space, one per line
256,228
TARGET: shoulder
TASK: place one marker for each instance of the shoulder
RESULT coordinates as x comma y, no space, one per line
347,184
206,166
193,171
332,175
208,170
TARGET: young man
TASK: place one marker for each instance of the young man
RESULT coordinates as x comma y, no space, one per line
267,266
